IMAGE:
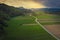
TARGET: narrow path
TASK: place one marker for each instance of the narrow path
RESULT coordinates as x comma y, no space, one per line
45,28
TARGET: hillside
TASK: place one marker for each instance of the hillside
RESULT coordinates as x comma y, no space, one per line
8,12
12,11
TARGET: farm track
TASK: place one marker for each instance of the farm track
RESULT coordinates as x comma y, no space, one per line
54,28
45,28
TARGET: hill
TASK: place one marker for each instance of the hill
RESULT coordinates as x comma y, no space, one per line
13,11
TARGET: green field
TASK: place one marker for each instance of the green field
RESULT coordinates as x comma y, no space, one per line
17,31
51,18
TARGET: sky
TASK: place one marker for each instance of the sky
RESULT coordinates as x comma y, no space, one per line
50,3
32,3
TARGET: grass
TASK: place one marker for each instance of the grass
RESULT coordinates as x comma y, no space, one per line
48,16
18,31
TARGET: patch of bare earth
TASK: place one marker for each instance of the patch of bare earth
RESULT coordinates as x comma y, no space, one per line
55,29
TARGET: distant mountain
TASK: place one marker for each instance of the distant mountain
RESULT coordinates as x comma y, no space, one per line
47,9
50,9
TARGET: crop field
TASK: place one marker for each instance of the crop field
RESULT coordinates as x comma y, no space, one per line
48,18
25,28
51,22
55,29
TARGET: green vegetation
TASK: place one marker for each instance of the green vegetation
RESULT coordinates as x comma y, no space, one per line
15,24
17,31
8,12
41,15
46,18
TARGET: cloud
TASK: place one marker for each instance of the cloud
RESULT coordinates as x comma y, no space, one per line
24,3
53,3
33,3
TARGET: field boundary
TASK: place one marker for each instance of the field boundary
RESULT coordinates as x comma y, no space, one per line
45,28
